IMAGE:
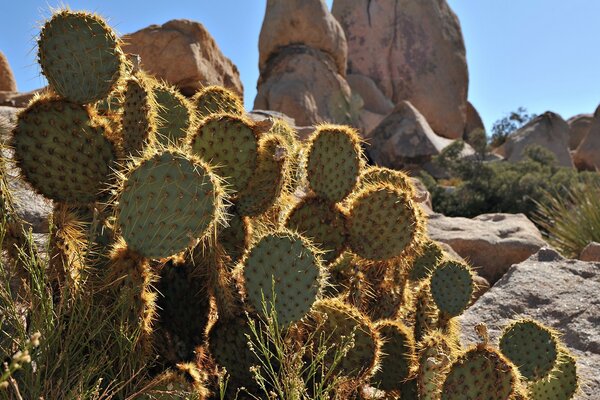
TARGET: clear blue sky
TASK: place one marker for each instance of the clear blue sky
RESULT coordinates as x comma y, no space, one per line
540,54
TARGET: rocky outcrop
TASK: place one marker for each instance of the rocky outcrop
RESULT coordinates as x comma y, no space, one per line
412,50
490,242
562,294
474,121
7,79
306,22
579,126
184,54
404,139
18,99
587,154
548,130
300,75
374,100
591,252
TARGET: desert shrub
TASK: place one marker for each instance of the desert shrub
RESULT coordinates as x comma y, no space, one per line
508,125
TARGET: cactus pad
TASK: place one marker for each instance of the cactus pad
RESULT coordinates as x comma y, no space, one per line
61,151
290,263
480,373
174,115
230,144
398,353
383,222
430,256
561,383
321,222
426,312
139,115
435,356
334,161
217,100
398,179
452,287
235,237
80,56
168,202
531,346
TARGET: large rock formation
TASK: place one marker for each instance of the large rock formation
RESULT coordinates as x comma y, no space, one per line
301,75
404,139
490,242
579,126
473,122
562,294
548,130
412,50
184,54
7,79
587,154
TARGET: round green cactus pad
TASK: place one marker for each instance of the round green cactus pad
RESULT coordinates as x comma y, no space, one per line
561,383
139,115
398,353
174,115
452,287
168,202
430,255
217,100
80,56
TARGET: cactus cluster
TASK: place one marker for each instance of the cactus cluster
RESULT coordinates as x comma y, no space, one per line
197,217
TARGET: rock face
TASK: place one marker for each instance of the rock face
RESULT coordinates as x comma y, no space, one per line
490,242
591,252
184,54
579,126
560,293
7,79
404,139
548,130
474,121
412,50
306,22
587,154
374,100
30,206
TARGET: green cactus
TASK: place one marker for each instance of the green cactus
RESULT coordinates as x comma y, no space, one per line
139,115
375,174
230,143
174,115
80,56
451,285
435,355
167,202
561,383
334,161
217,100
398,355
430,255
531,346
426,313
288,266
61,150
235,238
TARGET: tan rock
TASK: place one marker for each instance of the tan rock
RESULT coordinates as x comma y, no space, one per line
587,154
304,83
184,54
7,79
548,130
306,22
413,50
490,242
367,121
591,252
579,126
474,121
373,99
18,99
404,139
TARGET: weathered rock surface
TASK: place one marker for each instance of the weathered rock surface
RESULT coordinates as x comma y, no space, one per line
591,252
587,154
548,130
184,54
304,83
490,242
306,22
579,126
413,50
474,121
374,100
7,78
560,293
30,206
404,139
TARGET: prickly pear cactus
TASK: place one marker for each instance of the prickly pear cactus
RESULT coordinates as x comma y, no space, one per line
80,56
561,383
398,358
430,255
217,100
452,287
139,115
175,117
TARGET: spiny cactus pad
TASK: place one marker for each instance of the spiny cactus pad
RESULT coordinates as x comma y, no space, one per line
174,115
334,162
337,320
217,100
80,56
480,373
168,202
532,347
230,144
431,254
287,265
268,180
452,287
376,174
61,151
435,355
398,353
561,383
235,237
383,222
321,222
426,312
139,115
